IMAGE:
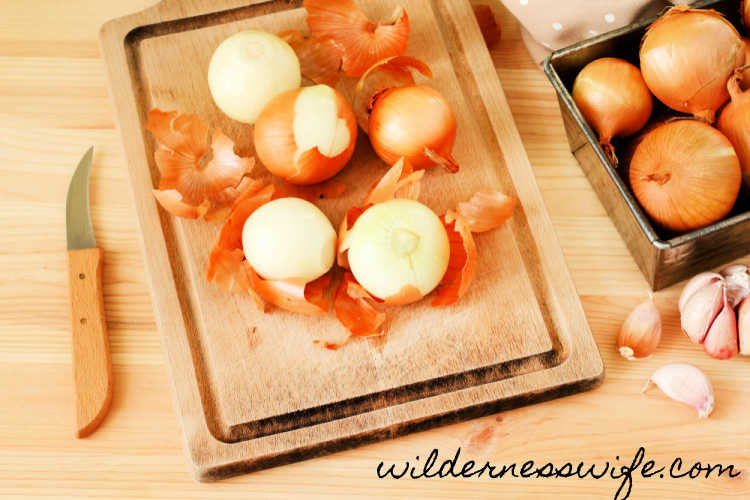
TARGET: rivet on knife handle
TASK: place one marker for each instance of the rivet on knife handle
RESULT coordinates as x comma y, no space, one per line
92,366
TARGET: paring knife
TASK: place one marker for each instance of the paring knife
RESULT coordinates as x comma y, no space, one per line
92,365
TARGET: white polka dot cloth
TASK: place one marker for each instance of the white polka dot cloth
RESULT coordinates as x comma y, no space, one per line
553,24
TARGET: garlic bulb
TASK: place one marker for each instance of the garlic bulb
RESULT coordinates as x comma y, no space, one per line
641,332
707,311
685,383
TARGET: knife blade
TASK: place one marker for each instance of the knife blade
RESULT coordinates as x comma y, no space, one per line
92,364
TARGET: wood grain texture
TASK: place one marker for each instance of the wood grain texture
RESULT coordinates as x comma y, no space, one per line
517,337
424,346
55,104
92,363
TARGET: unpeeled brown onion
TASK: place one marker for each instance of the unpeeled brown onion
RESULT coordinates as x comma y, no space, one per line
745,82
734,122
306,135
687,56
685,175
414,122
613,99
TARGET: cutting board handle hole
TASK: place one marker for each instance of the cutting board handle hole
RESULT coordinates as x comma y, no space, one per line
81,276
83,321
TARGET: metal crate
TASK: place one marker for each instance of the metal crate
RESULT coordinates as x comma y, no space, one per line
663,258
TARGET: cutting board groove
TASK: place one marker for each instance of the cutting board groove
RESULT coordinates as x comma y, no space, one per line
249,400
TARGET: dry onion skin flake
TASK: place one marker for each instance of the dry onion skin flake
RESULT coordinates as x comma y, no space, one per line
486,210
357,310
463,261
319,57
363,42
392,72
226,262
190,187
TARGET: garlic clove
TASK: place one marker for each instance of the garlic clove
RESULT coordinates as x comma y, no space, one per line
743,327
738,283
700,310
686,384
696,283
721,339
641,332
734,269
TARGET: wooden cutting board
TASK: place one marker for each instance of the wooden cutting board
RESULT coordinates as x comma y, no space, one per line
253,390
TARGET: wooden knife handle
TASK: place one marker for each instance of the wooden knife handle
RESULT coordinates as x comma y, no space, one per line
92,364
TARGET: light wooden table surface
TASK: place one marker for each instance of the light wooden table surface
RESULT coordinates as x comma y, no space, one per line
54,104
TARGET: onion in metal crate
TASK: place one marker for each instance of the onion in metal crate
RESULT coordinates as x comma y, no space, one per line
613,99
687,56
685,175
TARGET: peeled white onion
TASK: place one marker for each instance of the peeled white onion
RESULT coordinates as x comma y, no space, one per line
289,238
248,69
396,244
